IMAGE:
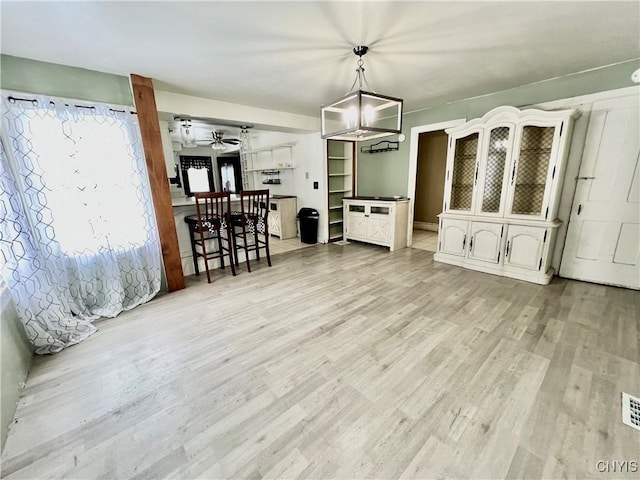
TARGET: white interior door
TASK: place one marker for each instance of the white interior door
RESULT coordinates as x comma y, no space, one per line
603,241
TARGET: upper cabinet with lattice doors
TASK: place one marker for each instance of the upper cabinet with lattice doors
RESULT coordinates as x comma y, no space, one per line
504,173
507,164
462,170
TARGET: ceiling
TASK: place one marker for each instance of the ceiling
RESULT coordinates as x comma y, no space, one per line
295,56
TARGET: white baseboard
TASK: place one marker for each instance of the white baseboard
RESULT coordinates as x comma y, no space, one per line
432,227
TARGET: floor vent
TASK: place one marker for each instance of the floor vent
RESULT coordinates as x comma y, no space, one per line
631,411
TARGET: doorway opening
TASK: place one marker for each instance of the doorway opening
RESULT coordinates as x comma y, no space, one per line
430,177
229,174
427,170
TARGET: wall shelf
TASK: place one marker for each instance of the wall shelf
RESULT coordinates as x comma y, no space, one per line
267,161
268,169
271,147
383,146
272,177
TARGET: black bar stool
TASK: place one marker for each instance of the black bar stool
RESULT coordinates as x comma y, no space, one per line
251,226
211,224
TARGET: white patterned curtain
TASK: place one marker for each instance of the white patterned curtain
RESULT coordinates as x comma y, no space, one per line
78,237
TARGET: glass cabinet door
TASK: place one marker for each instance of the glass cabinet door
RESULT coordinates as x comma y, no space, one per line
497,155
530,170
463,172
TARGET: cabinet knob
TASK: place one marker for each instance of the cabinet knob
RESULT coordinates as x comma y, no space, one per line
506,253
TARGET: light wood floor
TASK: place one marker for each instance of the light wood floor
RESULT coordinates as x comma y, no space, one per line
425,240
342,362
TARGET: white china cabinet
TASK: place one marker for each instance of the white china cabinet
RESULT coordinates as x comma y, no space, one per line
502,188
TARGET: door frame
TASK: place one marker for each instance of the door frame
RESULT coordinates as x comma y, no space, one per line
237,174
413,164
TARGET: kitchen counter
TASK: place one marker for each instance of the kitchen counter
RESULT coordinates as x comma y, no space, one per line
377,199
282,222
191,201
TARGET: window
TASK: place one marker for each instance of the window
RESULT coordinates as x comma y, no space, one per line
197,175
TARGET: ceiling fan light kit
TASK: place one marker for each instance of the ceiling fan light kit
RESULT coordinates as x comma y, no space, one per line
361,115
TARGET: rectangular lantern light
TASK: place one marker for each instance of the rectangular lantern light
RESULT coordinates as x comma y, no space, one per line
361,115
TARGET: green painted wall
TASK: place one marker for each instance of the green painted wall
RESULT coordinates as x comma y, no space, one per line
386,174
32,76
15,361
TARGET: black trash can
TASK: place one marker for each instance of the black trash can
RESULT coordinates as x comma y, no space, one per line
308,225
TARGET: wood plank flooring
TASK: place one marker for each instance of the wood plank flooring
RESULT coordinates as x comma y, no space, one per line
342,362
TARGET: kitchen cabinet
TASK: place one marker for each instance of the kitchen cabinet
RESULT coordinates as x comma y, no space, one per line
504,174
485,241
340,183
524,247
282,216
453,236
272,165
377,221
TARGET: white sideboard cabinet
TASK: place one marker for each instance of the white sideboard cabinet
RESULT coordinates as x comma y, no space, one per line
378,221
502,190
282,216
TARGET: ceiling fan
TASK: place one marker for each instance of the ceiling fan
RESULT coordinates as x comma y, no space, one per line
218,142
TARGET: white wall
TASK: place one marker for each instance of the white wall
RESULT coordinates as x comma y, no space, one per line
260,117
308,158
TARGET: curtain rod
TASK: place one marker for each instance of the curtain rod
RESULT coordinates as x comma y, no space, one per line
34,101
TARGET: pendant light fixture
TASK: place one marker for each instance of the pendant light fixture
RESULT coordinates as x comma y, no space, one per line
361,114
187,135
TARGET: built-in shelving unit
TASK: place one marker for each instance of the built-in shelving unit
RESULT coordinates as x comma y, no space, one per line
340,182
260,165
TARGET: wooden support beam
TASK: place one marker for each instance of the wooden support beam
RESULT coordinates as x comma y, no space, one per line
150,130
